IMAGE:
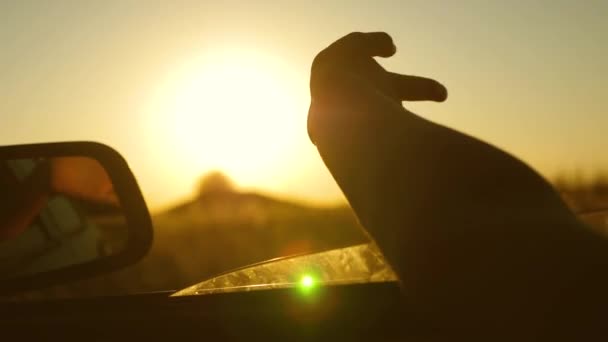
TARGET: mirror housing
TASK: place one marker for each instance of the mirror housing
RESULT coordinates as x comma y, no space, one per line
131,205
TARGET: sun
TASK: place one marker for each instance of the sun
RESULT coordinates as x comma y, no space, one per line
236,111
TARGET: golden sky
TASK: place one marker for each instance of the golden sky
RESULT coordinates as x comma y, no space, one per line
182,87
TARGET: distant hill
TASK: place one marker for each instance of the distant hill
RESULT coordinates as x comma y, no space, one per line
223,229
217,232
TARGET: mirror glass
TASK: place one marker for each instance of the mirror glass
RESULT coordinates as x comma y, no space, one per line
57,212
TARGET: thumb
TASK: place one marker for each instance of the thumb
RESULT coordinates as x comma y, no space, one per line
416,88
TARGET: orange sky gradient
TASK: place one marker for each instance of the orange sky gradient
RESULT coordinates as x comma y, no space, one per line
183,87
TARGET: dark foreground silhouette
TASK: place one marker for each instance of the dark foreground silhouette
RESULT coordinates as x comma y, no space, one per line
478,239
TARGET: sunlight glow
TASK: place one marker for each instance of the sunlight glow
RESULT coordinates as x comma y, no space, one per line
234,111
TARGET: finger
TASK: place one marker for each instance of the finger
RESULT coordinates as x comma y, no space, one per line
416,88
352,52
369,44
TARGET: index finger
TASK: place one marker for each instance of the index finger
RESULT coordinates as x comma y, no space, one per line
366,44
352,48
359,44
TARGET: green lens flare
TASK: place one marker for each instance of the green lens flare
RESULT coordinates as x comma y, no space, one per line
307,282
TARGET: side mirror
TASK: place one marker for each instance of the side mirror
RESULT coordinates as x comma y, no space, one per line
67,211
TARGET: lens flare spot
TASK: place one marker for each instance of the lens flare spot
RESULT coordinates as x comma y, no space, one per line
307,282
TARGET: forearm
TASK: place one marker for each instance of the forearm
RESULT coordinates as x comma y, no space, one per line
461,222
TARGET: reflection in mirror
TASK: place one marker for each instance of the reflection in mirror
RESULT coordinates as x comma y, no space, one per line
55,213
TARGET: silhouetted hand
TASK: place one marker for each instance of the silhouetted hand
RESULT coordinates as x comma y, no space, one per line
345,73
477,237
